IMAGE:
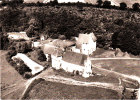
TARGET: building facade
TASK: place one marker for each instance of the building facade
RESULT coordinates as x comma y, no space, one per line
86,43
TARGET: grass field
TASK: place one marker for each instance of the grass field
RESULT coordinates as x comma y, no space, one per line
12,84
53,90
95,78
128,67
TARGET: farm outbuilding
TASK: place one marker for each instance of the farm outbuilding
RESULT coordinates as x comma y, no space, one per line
35,67
18,36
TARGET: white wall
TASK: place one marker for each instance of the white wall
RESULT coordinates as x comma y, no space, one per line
74,49
88,49
56,62
88,68
69,67
36,44
66,1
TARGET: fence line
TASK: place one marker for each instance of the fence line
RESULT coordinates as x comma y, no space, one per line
114,58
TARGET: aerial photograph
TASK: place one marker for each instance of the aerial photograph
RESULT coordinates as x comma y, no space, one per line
70,49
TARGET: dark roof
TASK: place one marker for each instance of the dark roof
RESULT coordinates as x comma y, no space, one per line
74,58
50,49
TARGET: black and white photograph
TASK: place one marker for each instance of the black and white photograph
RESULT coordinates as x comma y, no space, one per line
70,49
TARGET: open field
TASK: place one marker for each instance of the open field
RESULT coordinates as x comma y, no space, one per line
53,90
128,67
15,85
12,84
102,53
95,78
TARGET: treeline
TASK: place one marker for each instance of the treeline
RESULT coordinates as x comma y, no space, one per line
70,21
100,4
11,3
19,65
123,5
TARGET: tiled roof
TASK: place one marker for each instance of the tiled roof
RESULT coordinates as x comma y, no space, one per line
59,43
50,49
47,41
85,39
74,58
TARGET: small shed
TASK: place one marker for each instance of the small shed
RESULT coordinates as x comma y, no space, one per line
18,36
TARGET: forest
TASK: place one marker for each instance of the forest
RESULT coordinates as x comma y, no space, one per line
115,28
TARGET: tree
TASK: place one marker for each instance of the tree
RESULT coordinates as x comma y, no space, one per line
8,18
123,6
39,4
135,6
107,4
55,2
99,3
34,26
127,38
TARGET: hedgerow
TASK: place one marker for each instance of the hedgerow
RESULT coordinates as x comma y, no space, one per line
18,64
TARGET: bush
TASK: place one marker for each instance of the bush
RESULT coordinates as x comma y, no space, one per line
11,53
27,75
23,47
119,22
135,6
23,68
99,3
41,55
4,43
123,6
18,64
12,63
